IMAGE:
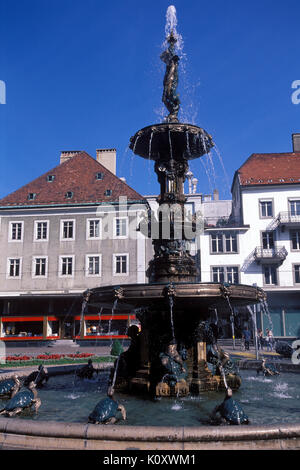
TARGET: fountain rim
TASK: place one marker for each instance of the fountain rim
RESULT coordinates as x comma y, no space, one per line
181,289
53,435
183,128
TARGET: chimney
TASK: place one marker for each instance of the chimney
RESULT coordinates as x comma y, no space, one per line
67,154
107,158
216,195
296,142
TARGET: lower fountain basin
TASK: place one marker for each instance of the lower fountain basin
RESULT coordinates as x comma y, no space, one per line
61,423
193,296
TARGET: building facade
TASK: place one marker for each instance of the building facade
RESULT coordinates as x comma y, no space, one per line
71,229
259,243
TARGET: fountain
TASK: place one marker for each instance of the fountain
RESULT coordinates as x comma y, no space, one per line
174,306
169,357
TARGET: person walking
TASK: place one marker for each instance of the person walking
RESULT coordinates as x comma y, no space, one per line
271,339
247,337
260,339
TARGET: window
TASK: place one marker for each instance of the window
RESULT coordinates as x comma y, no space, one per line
93,265
121,264
294,207
99,176
39,267
66,265
232,273
297,273
270,275
41,230
217,243
50,178
31,196
14,267
69,195
108,192
218,274
267,240
224,242
121,227
266,208
295,239
230,243
225,274
68,230
16,231
93,228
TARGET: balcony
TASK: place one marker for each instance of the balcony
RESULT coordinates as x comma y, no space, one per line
285,218
223,223
274,255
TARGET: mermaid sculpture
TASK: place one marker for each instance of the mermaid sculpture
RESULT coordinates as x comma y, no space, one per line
170,96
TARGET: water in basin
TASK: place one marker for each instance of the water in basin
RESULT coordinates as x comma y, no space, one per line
265,400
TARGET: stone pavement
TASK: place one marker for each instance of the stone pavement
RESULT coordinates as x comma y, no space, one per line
248,360
59,347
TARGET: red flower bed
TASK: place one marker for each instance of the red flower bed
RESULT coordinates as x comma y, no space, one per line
80,355
47,357
18,358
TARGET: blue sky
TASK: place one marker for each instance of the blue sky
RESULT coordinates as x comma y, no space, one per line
86,74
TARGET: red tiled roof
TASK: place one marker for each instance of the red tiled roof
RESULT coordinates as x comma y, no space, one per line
78,175
270,168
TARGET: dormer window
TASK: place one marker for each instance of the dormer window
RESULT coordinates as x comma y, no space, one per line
99,176
69,195
31,196
50,178
108,192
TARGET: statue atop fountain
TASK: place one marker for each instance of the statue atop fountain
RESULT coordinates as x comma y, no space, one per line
170,96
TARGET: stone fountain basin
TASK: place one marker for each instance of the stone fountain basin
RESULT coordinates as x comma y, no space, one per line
51,435
18,433
171,140
194,296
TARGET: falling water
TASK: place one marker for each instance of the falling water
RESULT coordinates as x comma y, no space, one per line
218,153
265,309
136,141
207,174
149,160
187,143
170,143
224,377
171,303
99,323
210,159
150,144
110,320
115,372
83,307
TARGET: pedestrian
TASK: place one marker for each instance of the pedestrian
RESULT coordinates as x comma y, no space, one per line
260,339
247,337
269,339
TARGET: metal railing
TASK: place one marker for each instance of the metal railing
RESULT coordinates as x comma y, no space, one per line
285,217
278,253
221,222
